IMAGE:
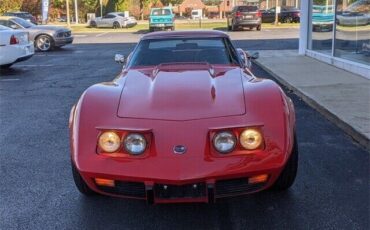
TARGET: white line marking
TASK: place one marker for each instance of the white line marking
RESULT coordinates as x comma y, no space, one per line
15,79
99,35
35,65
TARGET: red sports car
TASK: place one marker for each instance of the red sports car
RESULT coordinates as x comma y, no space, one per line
185,121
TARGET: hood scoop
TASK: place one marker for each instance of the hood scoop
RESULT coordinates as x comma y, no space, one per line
183,66
181,92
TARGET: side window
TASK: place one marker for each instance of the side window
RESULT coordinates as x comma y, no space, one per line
111,16
13,25
4,23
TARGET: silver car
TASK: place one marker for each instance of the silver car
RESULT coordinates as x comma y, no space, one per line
45,37
114,20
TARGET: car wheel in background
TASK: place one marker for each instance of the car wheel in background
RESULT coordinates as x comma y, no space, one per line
44,43
233,27
288,175
172,28
93,24
288,20
258,28
116,25
80,183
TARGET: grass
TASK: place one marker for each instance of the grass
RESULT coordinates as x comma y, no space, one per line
178,26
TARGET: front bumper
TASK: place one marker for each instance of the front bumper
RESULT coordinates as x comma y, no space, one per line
63,41
246,23
171,181
161,25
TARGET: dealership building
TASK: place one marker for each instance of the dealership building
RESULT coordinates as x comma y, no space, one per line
337,32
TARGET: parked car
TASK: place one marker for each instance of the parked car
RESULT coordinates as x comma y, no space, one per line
366,48
161,19
356,14
45,37
185,121
25,15
322,18
244,16
287,15
197,14
114,20
15,46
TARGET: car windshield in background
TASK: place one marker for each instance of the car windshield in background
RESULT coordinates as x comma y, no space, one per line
247,8
23,23
194,50
158,12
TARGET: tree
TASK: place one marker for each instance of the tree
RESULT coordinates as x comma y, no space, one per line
10,5
172,2
212,2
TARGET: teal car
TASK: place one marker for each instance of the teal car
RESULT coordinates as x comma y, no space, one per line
161,18
322,17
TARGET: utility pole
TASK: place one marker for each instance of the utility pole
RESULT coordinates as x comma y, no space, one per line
68,19
276,13
76,12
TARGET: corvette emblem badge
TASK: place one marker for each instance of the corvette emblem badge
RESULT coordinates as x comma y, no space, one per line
179,149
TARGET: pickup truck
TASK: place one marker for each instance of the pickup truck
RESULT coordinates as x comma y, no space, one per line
161,18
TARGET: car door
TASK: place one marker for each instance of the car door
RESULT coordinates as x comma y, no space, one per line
268,15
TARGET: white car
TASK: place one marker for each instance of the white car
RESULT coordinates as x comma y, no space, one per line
114,20
15,46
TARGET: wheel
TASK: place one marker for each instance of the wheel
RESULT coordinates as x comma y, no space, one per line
233,27
44,43
93,24
116,25
258,27
287,176
228,27
172,28
288,20
80,183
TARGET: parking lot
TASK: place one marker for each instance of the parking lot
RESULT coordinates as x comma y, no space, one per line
37,189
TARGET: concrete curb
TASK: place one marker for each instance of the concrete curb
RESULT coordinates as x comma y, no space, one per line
332,117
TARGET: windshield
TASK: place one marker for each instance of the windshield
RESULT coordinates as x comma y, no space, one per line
157,12
177,50
23,23
247,8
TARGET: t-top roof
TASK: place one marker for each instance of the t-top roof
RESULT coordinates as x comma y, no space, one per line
185,34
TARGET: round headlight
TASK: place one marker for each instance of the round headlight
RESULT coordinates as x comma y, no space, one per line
224,142
109,142
251,139
135,143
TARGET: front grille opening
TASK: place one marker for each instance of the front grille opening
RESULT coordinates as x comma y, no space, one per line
235,187
124,188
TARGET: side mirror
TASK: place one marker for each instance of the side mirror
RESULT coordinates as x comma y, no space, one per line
255,55
119,58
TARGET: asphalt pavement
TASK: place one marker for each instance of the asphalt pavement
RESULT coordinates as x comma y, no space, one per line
37,189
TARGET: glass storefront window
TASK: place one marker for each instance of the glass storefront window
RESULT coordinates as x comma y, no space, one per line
352,37
322,25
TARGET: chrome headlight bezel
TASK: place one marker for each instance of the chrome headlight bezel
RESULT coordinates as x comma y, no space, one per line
135,137
222,136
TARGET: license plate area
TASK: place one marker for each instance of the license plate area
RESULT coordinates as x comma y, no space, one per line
194,190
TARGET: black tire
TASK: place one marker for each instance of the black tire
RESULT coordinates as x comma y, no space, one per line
233,27
288,20
93,24
44,43
258,28
288,175
228,28
116,25
80,183
172,28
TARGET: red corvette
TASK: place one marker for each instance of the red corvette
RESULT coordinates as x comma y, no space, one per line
185,121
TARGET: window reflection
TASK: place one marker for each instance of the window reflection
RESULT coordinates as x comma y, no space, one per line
322,25
353,30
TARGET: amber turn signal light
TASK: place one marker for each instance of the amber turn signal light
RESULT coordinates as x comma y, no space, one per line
258,179
104,182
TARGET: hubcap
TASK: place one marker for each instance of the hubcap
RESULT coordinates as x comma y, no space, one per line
43,43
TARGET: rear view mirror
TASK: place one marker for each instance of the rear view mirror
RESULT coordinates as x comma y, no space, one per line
119,58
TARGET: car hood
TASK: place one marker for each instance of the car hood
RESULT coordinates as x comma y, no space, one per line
182,93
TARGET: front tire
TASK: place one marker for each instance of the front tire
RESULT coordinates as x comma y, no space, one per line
116,25
80,183
44,43
258,28
288,175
